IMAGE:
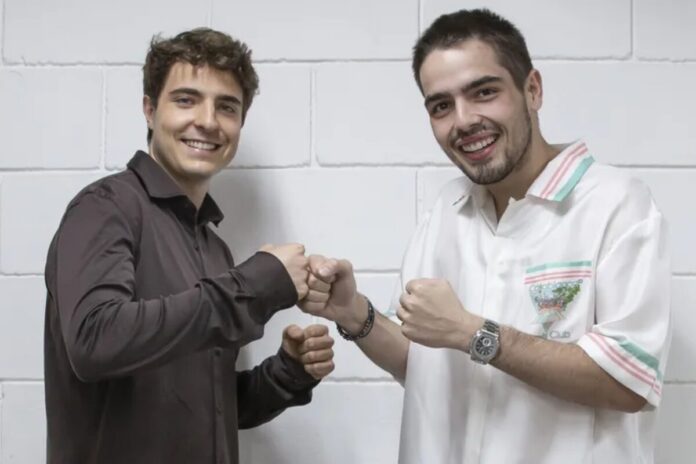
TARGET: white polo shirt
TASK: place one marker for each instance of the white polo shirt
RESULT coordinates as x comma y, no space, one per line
581,259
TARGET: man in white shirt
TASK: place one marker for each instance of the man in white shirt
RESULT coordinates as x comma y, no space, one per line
548,266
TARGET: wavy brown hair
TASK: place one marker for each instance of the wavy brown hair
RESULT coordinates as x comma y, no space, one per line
199,47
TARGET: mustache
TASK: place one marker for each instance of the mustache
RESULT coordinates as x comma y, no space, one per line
457,134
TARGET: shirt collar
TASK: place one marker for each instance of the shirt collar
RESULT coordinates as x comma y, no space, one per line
556,181
159,185
562,174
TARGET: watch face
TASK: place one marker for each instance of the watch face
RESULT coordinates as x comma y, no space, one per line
485,346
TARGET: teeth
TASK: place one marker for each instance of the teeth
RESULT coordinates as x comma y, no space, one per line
478,145
200,145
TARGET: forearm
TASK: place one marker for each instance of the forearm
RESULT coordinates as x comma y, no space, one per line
108,335
385,345
563,370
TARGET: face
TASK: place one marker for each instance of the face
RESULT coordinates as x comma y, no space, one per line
196,124
478,116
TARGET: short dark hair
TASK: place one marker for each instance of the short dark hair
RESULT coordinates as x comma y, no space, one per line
199,47
451,29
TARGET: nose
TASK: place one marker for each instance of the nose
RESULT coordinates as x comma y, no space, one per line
465,116
206,117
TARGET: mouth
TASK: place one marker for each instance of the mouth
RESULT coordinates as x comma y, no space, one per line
478,148
201,145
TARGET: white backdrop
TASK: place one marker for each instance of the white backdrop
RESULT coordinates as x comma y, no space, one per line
337,154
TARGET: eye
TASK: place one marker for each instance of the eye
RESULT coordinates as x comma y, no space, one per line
227,108
184,101
439,108
486,92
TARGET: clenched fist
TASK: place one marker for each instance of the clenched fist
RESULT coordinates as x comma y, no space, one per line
433,316
311,347
293,258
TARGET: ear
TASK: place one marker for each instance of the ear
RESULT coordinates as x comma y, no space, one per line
148,111
534,92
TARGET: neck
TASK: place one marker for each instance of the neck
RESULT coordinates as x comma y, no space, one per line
516,184
195,190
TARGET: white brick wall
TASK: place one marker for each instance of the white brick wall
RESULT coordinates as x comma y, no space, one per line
336,153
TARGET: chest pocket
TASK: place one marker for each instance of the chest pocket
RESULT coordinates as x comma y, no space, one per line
561,295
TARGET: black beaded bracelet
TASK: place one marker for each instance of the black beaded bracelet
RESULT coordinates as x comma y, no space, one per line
366,328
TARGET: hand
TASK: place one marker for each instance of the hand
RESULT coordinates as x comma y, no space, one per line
333,293
433,316
311,347
293,258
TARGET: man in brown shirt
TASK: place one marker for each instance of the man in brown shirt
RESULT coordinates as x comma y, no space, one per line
146,309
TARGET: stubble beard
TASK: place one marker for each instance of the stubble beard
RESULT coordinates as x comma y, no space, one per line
490,172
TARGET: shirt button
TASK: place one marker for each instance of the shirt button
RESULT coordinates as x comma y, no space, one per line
218,352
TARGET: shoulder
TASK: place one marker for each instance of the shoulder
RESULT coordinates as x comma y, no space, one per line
122,187
616,192
116,197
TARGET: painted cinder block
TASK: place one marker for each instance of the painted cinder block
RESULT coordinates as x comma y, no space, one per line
23,423
21,327
676,425
628,113
346,423
664,29
321,29
348,213
83,31
31,206
51,118
371,113
557,29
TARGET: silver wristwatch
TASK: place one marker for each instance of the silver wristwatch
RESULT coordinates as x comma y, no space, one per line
485,343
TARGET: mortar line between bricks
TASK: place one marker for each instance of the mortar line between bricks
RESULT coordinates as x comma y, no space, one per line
419,21
102,161
632,18
418,197
19,276
375,273
359,381
313,162
2,425
2,39
539,59
43,170
20,380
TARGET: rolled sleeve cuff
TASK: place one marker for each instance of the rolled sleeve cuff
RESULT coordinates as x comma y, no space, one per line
291,374
270,283
626,363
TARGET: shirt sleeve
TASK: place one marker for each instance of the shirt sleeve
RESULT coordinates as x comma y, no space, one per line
269,388
107,333
632,331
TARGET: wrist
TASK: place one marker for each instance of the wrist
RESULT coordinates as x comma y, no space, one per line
353,317
465,332
364,330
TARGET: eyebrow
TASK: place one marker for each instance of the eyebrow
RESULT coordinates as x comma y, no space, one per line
466,89
196,93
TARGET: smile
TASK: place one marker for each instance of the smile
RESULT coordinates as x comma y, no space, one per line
478,145
201,145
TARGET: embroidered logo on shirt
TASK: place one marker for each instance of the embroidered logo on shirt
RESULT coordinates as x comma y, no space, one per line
553,287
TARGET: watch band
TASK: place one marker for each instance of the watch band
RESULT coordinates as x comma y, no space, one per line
492,327
489,331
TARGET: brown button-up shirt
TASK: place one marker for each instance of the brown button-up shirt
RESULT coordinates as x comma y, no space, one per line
145,315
